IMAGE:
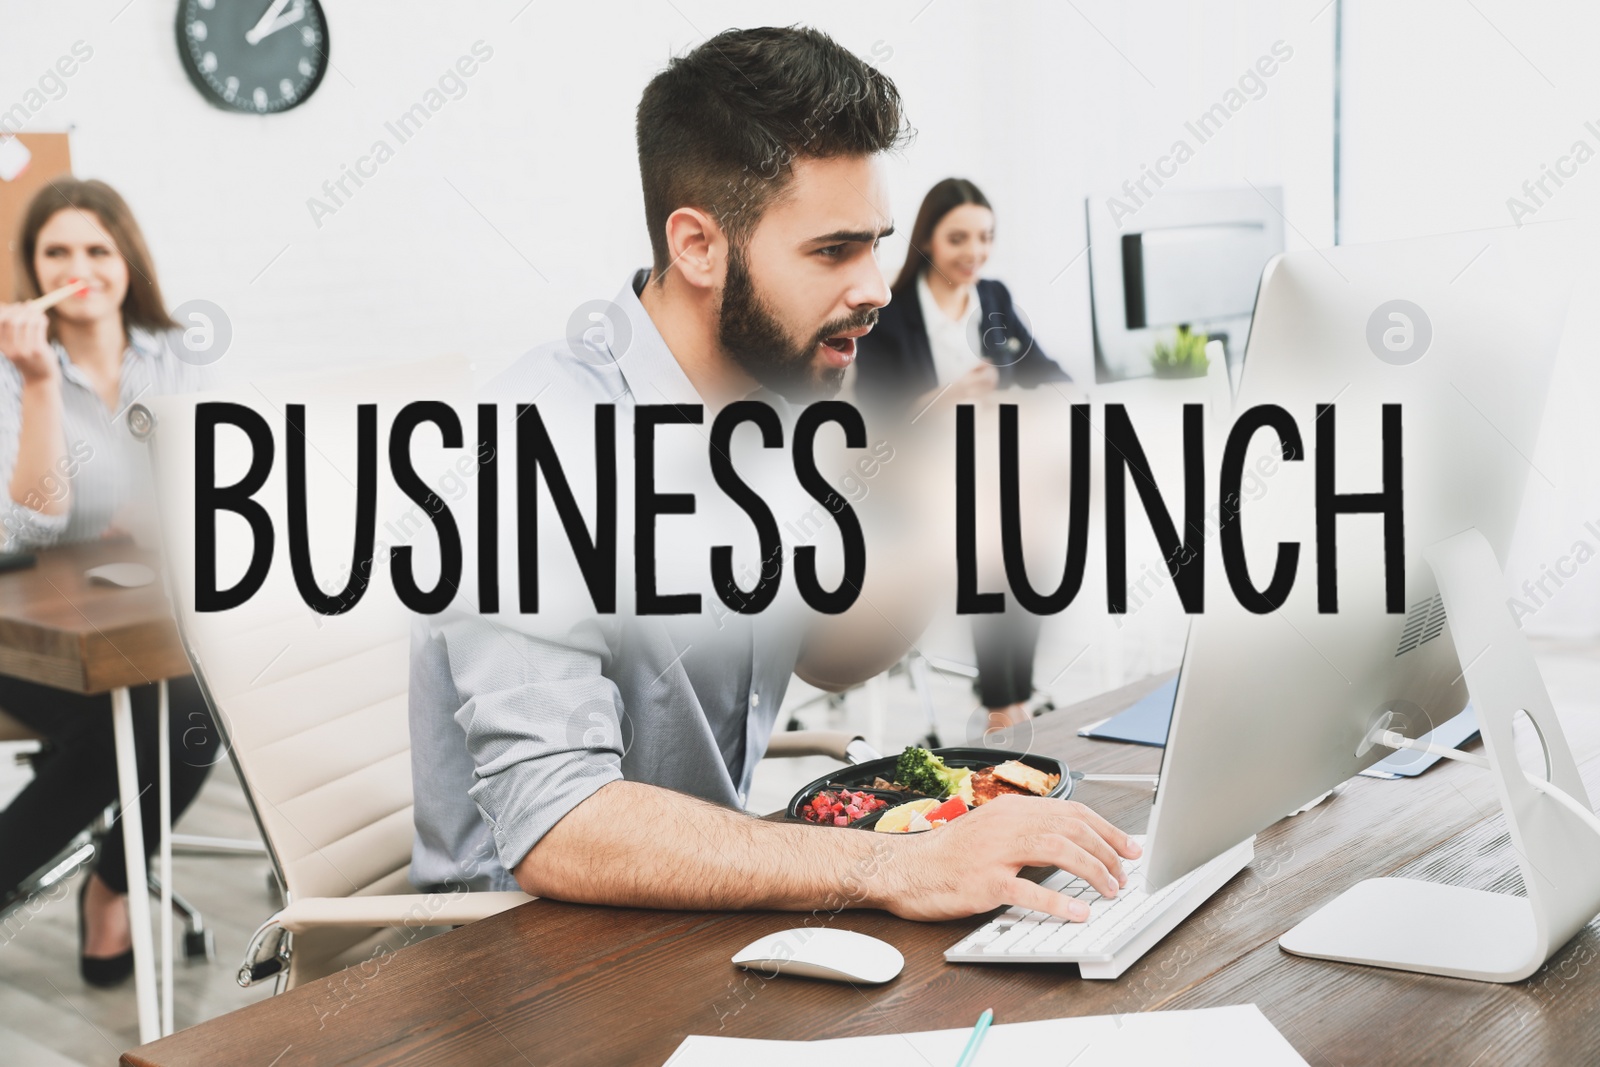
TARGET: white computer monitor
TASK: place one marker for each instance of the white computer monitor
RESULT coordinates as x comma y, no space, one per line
1275,709
1188,256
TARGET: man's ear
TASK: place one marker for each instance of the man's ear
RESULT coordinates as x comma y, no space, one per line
698,247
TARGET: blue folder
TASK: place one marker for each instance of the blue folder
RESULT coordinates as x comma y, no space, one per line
1145,723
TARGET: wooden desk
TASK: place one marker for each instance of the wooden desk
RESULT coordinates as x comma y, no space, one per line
552,983
59,629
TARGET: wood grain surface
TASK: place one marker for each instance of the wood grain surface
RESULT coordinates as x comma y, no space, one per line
554,983
58,628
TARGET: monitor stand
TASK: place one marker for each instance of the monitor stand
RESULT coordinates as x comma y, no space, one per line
1434,928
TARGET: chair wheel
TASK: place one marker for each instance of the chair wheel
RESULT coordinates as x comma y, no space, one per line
199,945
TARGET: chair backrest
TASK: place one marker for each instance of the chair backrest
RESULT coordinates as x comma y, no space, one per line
312,707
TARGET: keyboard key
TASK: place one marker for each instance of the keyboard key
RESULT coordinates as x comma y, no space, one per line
1002,944
1060,940
1027,944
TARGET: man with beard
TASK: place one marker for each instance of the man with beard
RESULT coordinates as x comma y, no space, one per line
605,758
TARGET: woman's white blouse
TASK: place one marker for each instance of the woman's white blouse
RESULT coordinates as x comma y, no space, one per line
103,465
955,342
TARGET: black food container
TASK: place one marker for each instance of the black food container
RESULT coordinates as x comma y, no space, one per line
859,778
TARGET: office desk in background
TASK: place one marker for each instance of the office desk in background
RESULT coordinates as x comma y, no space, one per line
554,983
59,629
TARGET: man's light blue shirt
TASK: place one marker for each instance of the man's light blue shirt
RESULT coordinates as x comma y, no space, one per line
515,721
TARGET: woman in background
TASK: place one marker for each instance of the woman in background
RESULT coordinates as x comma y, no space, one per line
67,465
951,336
945,330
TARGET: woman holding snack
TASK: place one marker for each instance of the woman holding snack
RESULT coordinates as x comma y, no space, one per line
89,337
949,336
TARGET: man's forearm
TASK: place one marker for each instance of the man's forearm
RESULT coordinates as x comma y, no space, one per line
638,845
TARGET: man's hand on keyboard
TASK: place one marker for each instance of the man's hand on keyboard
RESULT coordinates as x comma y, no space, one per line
970,864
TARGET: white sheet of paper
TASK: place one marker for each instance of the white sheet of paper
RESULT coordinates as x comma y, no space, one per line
14,157
1224,1037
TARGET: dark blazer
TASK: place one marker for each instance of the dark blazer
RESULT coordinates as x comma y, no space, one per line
894,363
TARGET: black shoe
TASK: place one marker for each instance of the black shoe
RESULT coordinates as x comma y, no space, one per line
102,971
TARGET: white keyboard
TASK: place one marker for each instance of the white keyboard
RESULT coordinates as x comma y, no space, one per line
1117,932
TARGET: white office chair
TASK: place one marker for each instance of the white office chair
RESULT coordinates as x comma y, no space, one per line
20,742
25,745
312,708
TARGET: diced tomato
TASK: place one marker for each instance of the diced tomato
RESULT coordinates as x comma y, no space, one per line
950,809
842,808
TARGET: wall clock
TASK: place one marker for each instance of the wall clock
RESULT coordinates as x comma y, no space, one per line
255,56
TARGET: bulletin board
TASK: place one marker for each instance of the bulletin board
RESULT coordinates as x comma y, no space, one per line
28,162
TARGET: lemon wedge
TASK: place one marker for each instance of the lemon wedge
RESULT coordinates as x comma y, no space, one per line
897,820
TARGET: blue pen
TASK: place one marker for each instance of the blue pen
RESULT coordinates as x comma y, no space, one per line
970,1053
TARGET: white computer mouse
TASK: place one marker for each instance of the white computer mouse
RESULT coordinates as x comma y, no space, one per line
820,952
127,575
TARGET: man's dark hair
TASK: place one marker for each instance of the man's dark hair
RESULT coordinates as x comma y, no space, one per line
720,127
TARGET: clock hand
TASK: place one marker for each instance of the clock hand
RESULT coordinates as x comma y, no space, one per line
295,15
265,24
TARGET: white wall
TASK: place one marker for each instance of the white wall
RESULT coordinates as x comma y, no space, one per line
1448,109
1034,102
1042,104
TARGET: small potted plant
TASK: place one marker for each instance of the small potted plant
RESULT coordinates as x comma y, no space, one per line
1183,356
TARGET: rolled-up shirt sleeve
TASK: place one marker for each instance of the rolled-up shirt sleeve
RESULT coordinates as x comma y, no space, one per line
543,725
21,526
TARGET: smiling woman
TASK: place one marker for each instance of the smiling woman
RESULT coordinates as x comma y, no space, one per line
68,467
949,334
951,337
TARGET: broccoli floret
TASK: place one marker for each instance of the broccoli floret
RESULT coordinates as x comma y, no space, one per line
920,770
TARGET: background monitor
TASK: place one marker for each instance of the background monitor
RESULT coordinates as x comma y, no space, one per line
1190,258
